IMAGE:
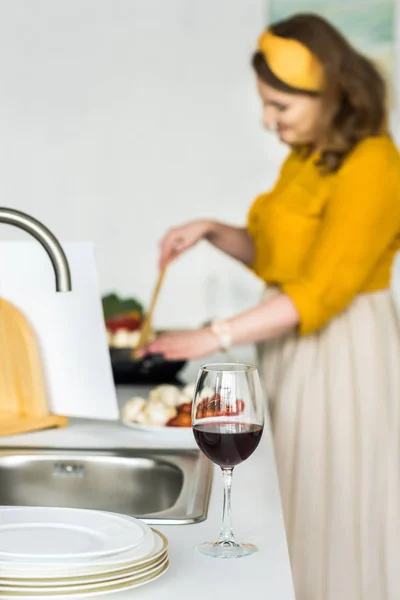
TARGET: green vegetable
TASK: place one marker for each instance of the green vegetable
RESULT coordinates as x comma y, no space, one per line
113,305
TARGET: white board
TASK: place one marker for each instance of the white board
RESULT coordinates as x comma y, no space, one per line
69,326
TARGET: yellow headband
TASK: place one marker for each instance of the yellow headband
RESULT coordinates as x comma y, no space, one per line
292,62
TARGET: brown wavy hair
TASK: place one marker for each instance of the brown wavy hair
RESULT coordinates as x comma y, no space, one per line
355,94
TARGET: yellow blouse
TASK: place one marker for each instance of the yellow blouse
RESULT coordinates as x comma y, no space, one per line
325,238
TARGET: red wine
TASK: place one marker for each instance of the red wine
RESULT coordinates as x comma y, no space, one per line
227,444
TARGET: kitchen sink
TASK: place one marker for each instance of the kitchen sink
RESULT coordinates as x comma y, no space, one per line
160,486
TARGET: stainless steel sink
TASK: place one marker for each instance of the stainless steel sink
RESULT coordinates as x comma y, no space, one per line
159,486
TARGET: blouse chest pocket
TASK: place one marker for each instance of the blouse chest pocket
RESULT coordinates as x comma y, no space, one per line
306,202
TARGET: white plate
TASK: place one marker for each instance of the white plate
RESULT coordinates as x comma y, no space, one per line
82,587
104,564
89,592
86,580
56,534
177,433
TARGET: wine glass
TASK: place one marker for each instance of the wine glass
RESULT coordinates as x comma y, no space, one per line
227,420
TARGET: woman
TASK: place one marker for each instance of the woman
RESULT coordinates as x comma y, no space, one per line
324,240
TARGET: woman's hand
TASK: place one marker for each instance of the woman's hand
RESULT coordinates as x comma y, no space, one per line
183,345
234,241
179,239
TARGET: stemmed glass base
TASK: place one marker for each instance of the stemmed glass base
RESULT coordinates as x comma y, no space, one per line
226,549
226,546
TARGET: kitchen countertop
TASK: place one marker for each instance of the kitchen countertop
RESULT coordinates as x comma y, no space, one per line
256,511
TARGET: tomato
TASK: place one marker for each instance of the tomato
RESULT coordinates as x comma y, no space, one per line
184,420
240,406
199,412
185,408
130,321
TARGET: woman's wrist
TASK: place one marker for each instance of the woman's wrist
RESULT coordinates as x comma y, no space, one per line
212,229
223,333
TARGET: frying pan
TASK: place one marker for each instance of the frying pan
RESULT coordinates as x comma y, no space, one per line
150,369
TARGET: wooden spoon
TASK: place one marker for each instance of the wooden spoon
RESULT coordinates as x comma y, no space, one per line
146,328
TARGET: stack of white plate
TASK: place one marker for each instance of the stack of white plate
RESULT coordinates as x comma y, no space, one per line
57,552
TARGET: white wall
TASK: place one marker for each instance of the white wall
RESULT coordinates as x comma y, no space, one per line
121,118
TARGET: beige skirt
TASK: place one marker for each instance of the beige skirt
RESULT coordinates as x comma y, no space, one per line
334,399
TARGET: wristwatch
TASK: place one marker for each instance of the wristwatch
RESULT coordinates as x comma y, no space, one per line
222,330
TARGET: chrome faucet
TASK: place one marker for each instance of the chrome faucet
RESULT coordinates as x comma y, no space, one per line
48,241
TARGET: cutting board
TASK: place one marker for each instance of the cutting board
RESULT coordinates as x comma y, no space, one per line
69,326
